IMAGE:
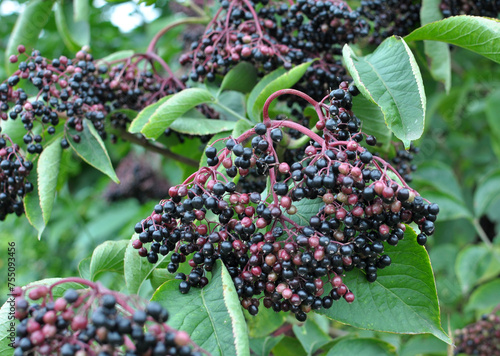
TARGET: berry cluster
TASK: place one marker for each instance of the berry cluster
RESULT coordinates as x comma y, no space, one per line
391,17
94,321
331,211
403,161
481,338
78,89
14,170
278,34
468,7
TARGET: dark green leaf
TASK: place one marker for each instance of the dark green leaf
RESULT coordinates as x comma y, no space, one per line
108,257
485,297
362,347
92,150
28,26
196,126
137,269
475,264
403,299
173,108
145,115
423,344
438,53
262,346
288,346
310,335
492,110
305,209
487,192
264,323
373,120
241,78
231,106
212,315
284,81
390,78
436,182
477,34
48,171
32,206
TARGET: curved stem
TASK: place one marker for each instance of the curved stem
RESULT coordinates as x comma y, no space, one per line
141,141
166,67
481,233
185,21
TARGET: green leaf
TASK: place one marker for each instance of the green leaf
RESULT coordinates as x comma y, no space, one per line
264,323
402,300
487,192
310,335
230,105
485,297
240,128
196,126
48,171
423,344
81,10
305,209
265,88
145,115
262,346
8,327
117,56
390,78
84,268
74,34
32,206
92,150
475,264
478,34
436,182
212,315
261,84
137,269
492,109
241,78
288,346
108,257
373,120
438,53
29,24
177,105
362,347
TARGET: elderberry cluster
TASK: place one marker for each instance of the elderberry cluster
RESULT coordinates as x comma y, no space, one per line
481,338
391,17
75,90
330,211
468,7
94,322
279,34
14,170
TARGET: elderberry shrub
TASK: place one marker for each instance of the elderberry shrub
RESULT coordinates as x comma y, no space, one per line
480,338
468,7
14,170
359,209
94,321
76,89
